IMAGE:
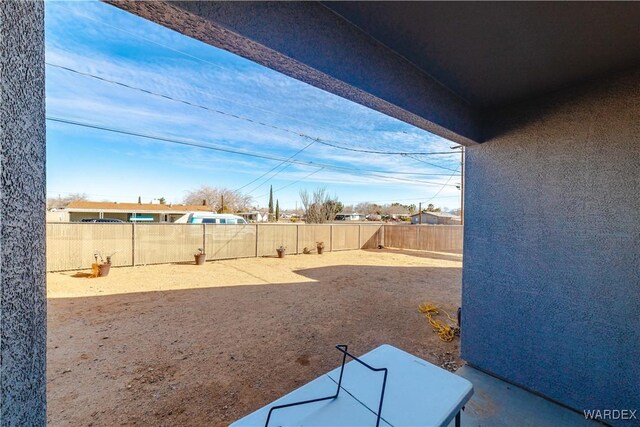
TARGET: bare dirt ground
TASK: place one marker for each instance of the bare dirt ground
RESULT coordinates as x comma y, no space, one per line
180,344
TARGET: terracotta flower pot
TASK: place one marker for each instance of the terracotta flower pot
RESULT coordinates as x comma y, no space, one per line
280,252
104,269
320,250
200,258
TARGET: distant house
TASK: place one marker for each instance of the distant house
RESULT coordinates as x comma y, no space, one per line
400,216
130,212
438,218
57,215
255,216
353,216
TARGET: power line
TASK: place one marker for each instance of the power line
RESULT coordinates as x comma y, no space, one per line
394,200
373,173
271,177
215,65
440,190
293,183
274,168
247,119
51,193
400,153
430,164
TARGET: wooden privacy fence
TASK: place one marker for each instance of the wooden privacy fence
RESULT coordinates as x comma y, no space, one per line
445,238
70,246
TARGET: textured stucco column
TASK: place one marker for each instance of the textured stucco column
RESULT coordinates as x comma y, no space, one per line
551,275
23,320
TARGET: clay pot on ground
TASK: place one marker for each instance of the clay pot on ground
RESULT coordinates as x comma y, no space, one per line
200,258
320,249
281,252
103,269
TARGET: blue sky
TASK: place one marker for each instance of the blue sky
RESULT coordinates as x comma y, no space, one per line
101,40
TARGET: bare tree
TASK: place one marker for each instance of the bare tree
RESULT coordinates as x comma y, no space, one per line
214,197
369,208
376,210
396,209
319,207
62,202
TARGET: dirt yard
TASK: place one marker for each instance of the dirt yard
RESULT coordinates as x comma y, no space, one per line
180,344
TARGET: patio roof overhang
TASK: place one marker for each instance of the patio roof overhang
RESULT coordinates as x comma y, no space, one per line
441,66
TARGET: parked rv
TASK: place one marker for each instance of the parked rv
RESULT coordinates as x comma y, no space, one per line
210,218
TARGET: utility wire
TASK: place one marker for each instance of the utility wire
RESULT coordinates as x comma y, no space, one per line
374,173
271,177
328,143
275,167
393,200
215,65
51,193
440,190
325,142
430,164
227,150
293,183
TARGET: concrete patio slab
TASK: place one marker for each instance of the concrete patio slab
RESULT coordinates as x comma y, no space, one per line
498,403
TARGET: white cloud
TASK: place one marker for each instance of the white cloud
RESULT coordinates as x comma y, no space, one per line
222,81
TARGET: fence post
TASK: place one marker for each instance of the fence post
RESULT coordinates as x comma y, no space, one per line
417,236
204,240
257,239
330,237
133,244
297,239
359,236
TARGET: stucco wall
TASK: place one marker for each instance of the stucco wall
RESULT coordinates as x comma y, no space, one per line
551,276
22,214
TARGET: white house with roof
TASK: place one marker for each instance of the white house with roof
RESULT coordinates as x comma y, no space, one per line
129,212
255,216
436,218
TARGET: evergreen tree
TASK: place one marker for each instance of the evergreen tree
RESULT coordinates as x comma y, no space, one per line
271,203
277,210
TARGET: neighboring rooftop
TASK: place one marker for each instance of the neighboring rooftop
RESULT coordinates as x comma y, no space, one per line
84,206
440,214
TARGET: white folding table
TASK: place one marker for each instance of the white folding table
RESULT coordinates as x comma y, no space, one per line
416,393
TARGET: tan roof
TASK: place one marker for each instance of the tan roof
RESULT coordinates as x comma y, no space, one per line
441,214
133,207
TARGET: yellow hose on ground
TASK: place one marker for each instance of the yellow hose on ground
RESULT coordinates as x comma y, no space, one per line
95,270
445,331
